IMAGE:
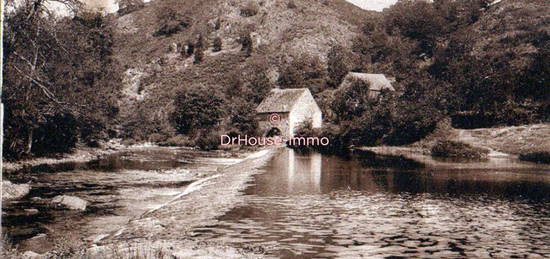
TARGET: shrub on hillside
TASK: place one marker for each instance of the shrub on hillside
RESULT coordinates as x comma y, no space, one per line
291,4
246,42
537,157
217,44
171,22
449,148
249,10
199,50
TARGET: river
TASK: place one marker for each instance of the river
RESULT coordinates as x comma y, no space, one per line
306,205
362,205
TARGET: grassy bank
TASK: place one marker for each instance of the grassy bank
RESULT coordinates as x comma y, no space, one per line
457,149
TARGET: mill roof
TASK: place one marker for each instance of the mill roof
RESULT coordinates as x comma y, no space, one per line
281,100
377,81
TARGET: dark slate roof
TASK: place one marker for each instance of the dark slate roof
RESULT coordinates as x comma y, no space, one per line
281,100
377,81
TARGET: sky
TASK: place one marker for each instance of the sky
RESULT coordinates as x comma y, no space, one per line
375,5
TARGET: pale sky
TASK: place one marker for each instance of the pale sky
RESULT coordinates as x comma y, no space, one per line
375,5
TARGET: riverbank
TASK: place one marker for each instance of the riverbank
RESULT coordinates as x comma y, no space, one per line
80,154
198,205
503,142
127,203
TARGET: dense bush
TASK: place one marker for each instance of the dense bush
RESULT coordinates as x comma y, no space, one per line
243,119
199,50
246,42
217,44
178,141
339,63
457,149
170,21
196,108
538,157
291,4
305,71
249,10
208,140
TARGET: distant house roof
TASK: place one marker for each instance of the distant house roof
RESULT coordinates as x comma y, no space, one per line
281,100
377,81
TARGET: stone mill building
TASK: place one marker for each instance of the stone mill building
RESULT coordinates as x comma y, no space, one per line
283,110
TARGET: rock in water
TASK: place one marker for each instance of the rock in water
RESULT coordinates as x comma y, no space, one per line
70,202
11,191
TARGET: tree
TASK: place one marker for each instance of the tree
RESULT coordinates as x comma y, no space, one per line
246,41
199,50
338,64
56,68
304,71
217,44
196,108
243,118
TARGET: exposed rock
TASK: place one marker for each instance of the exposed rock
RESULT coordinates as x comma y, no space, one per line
31,255
31,211
39,243
11,191
70,202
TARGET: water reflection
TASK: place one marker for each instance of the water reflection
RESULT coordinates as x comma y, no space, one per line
308,205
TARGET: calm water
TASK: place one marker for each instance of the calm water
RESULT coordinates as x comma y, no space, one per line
370,206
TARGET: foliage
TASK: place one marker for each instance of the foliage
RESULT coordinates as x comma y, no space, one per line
196,108
291,4
246,42
170,21
67,82
199,50
243,118
217,44
338,64
249,10
259,85
351,101
305,71
208,140
538,157
457,149
177,141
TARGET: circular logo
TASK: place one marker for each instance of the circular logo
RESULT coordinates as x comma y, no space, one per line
275,119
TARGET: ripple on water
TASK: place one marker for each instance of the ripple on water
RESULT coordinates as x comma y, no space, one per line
304,209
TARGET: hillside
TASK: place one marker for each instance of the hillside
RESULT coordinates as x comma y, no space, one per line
155,69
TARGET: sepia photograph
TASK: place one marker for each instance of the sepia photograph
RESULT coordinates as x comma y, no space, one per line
172,129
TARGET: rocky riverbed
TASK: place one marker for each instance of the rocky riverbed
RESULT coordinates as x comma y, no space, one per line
148,195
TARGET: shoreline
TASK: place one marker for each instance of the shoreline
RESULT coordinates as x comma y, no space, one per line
82,154
170,223
198,205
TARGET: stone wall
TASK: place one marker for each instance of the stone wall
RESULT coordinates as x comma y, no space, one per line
305,110
265,125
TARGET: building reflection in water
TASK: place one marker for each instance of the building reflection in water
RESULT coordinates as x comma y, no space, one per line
292,173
